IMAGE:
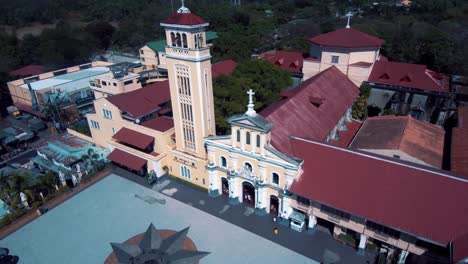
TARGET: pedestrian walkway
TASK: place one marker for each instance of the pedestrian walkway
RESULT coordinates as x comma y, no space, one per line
318,246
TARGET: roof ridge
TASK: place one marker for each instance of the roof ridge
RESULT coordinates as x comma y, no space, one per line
384,159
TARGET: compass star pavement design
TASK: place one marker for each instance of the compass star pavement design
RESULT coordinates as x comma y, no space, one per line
155,250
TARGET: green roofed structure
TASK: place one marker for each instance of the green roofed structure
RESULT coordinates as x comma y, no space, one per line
153,54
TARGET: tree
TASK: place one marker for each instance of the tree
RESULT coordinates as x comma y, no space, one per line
230,96
91,160
359,110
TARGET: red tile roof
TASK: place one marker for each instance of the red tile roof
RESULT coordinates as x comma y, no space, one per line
297,115
225,67
460,248
287,60
459,159
347,38
29,70
161,124
142,101
126,159
408,75
414,199
133,138
416,138
345,137
187,19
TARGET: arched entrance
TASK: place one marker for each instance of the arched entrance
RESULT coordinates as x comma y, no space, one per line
248,193
225,186
274,205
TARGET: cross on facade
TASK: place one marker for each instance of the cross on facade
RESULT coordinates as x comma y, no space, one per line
349,15
250,106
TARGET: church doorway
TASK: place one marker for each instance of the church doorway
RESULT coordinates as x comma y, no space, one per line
274,205
225,186
248,193
373,110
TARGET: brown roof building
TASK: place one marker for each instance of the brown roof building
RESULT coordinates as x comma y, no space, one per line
402,137
459,159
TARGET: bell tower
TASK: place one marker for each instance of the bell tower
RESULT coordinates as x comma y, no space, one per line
188,62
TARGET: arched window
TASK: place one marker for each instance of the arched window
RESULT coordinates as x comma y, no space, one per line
179,40
173,39
247,138
238,135
223,162
184,40
258,141
248,166
275,178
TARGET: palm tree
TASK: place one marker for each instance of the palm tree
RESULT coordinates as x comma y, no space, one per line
90,159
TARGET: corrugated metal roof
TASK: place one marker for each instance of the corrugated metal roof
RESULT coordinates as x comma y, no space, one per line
347,38
416,138
133,138
126,159
415,199
296,115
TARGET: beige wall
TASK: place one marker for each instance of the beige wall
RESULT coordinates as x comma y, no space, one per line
107,85
149,58
357,227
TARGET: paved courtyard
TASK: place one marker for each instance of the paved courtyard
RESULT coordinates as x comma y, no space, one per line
115,209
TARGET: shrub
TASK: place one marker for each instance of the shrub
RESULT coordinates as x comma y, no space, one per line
5,220
36,204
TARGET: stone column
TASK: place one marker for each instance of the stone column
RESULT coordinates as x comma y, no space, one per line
253,142
262,169
312,221
402,257
211,154
362,243
233,138
262,144
242,138
233,159
214,182
289,178
257,193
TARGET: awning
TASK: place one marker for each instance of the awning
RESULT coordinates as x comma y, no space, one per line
27,108
297,216
133,138
126,159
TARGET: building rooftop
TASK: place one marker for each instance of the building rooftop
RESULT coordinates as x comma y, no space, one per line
459,158
133,138
287,60
418,200
347,38
225,67
161,124
416,138
29,70
408,75
69,81
126,159
142,101
312,109
185,18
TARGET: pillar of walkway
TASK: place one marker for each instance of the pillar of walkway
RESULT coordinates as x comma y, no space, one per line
312,221
362,243
402,257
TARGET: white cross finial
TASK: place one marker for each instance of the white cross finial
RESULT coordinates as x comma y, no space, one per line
250,106
349,15
183,9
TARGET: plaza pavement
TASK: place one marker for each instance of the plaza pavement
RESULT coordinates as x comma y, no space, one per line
319,245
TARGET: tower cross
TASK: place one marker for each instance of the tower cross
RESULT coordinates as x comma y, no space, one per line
349,15
250,106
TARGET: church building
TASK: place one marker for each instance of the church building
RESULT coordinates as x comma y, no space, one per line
285,160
